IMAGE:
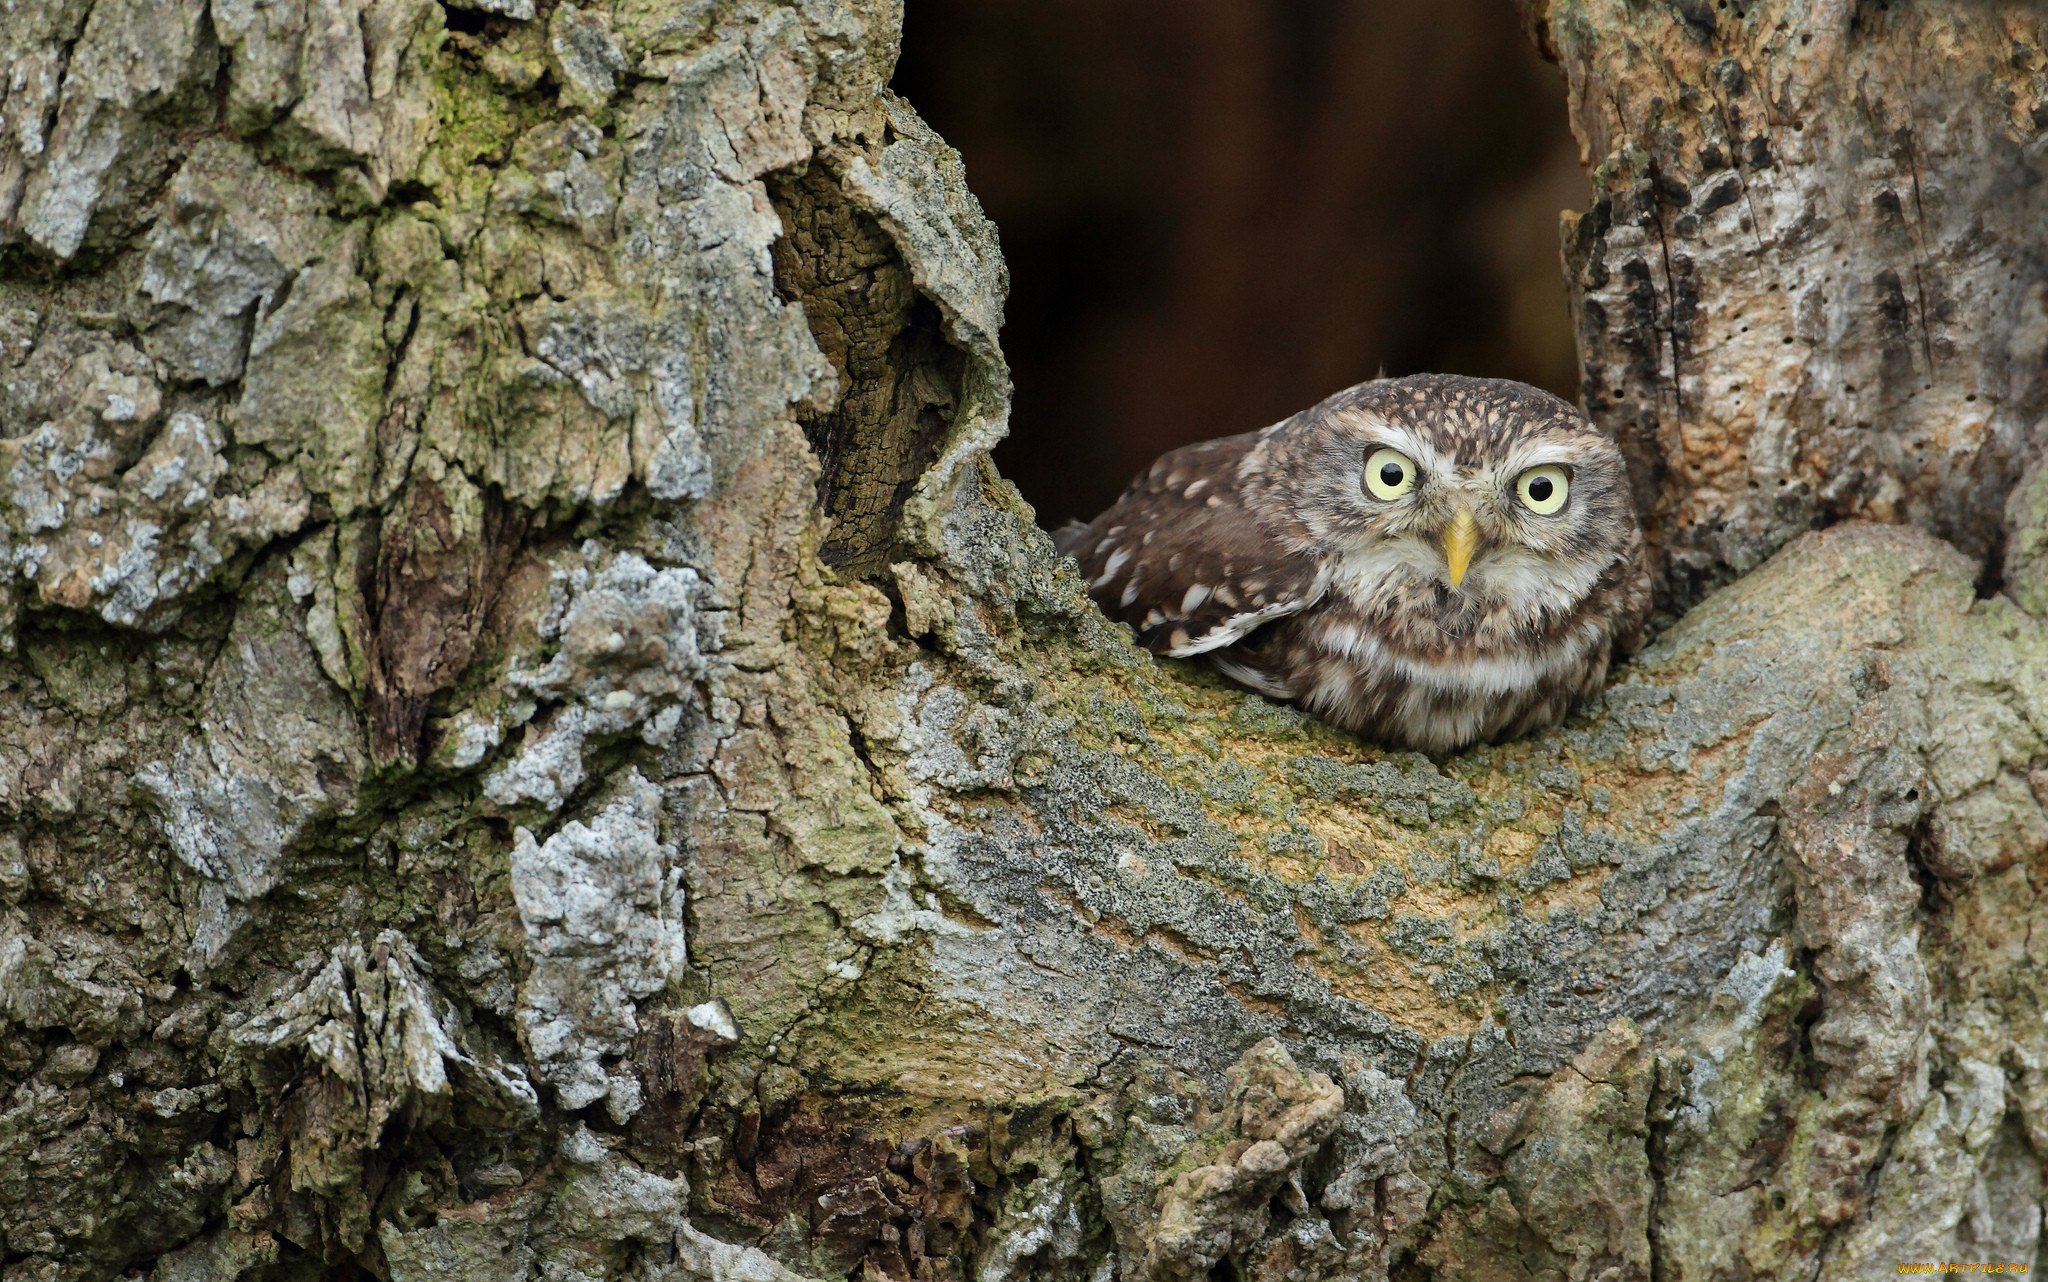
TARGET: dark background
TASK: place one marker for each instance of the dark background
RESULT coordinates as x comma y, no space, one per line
1217,212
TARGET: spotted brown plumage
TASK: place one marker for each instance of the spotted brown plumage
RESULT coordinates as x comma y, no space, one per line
1470,586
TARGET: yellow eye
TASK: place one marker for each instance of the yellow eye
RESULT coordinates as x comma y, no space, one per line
1388,474
1543,489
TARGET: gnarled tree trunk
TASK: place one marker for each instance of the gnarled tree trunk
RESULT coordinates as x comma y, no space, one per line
533,743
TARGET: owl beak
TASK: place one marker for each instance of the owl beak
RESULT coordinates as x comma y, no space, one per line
1460,542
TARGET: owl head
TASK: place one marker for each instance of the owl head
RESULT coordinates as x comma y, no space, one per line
1481,494
1441,516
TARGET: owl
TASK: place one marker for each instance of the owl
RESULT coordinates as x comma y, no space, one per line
1428,562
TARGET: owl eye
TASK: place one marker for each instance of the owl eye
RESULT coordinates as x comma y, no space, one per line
1389,474
1543,489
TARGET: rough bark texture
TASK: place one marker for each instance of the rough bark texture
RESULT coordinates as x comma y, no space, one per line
1811,285
458,824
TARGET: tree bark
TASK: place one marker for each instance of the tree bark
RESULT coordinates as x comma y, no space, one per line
534,743
1810,286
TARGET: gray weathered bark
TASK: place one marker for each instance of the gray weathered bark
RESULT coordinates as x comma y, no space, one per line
468,813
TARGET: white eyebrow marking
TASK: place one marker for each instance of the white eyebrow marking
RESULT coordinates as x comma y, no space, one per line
1374,430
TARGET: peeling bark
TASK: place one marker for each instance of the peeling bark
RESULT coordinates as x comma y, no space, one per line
534,743
439,563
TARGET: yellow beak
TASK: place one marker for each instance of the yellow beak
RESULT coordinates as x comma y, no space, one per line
1460,542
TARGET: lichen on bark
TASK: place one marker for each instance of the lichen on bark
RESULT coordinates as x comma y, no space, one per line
534,743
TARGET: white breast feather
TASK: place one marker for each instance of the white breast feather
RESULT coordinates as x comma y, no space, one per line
1526,580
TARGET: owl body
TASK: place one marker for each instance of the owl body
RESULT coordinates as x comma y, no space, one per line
1428,562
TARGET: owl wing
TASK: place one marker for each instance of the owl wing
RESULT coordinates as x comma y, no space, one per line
1189,559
